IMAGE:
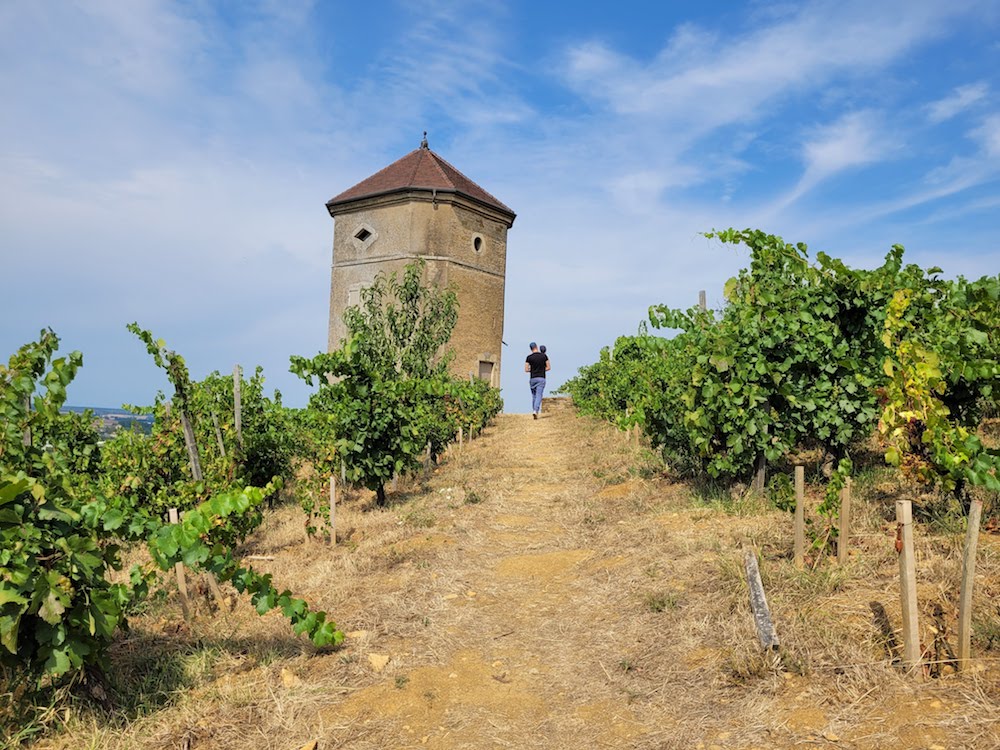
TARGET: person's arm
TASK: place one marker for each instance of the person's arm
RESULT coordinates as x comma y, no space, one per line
527,367
548,364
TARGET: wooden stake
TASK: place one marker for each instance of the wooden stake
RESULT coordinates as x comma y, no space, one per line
907,583
758,603
237,405
800,516
760,477
218,434
333,511
26,438
968,579
213,584
343,473
195,462
702,301
179,571
845,522
192,448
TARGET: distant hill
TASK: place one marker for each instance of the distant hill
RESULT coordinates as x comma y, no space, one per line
112,420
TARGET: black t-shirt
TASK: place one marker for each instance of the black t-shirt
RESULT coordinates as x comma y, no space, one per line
537,360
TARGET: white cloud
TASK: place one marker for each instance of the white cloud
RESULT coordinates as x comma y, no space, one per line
959,100
855,140
988,135
706,80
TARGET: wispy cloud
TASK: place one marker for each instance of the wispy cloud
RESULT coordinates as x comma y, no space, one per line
855,140
960,174
708,79
988,135
958,101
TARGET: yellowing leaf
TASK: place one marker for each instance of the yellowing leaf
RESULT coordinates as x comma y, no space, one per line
730,288
51,609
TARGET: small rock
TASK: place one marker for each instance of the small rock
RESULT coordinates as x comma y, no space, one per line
532,671
289,679
498,663
471,594
378,661
453,675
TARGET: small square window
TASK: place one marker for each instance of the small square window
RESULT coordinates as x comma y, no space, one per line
363,234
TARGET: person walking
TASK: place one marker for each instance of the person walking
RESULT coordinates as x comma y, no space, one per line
536,365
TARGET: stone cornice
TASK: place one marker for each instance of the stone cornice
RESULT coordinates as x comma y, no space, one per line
421,195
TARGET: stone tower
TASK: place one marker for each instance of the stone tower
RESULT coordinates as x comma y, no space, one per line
422,207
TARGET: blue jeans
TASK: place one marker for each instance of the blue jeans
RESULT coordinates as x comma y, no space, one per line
537,389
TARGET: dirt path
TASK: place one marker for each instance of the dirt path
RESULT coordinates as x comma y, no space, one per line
525,608
538,592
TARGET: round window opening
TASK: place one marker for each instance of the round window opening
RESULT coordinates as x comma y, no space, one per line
477,244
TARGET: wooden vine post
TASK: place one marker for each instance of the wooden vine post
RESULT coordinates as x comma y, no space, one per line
192,448
760,474
845,522
800,517
179,572
968,579
766,633
195,462
218,435
333,510
907,582
237,405
702,300
26,438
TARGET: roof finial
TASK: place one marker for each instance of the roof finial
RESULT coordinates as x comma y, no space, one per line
423,143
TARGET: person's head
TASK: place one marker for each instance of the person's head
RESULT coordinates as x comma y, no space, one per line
533,346
542,348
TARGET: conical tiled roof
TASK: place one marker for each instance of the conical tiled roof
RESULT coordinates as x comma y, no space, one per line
421,169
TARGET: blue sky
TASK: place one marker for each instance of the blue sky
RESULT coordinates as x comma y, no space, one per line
169,162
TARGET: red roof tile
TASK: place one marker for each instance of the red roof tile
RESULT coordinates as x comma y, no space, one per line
420,169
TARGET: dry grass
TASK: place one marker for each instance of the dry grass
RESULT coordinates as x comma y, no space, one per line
551,589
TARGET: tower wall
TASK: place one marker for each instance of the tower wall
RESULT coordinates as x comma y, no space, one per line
463,243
